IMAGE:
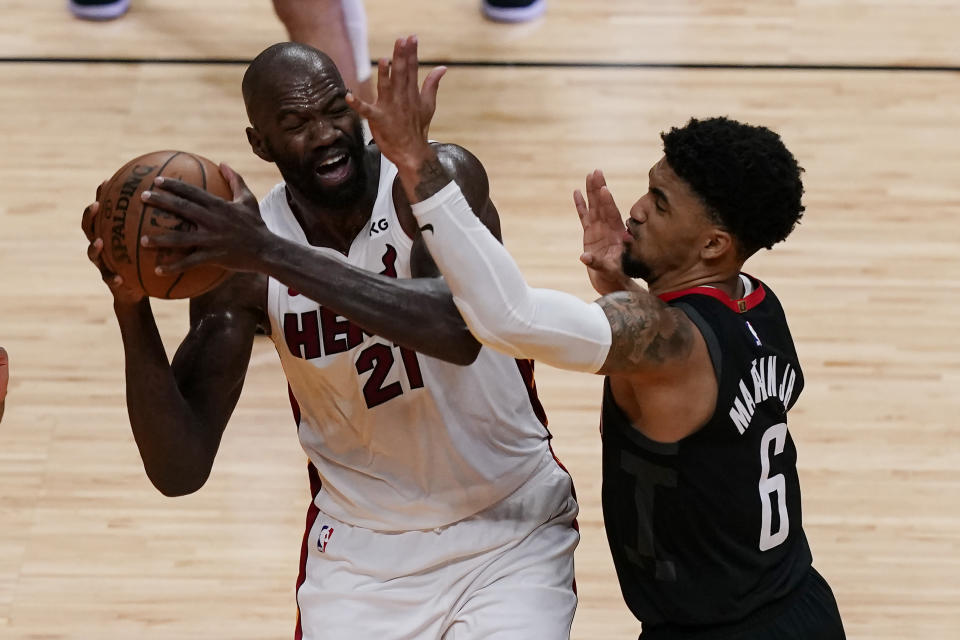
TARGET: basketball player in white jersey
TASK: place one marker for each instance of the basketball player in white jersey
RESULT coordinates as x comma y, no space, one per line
438,509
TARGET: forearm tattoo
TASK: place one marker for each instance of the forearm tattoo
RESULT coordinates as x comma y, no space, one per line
646,332
431,178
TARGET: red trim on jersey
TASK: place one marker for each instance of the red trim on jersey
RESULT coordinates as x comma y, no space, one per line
294,405
312,513
573,492
738,306
526,372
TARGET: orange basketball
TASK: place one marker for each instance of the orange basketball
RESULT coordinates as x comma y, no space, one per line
124,218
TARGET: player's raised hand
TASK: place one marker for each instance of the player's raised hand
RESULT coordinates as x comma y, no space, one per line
603,234
123,293
400,118
230,234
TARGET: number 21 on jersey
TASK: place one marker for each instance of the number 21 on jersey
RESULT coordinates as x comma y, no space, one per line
378,359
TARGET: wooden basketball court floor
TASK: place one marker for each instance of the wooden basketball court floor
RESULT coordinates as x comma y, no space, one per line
89,550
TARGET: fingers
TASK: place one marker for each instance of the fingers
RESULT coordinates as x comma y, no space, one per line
600,202
431,84
383,80
397,80
606,205
403,68
88,220
127,293
244,196
412,65
175,240
185,190
169,199
601,179
365,109
95,255
115,282
238,186
594,182
398,65
93,251
596,179
194,259
581,206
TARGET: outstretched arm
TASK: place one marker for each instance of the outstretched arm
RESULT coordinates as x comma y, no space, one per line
417,313
621,333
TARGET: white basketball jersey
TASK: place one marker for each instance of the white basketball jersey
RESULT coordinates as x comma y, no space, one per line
401,441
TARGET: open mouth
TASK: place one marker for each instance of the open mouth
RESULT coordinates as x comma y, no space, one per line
335,168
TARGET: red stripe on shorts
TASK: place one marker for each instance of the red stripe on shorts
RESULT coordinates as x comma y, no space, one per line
312,513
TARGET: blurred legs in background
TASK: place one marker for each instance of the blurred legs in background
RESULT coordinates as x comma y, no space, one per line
513,10
99,9
339,29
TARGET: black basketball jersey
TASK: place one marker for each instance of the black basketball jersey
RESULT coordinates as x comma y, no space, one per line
707,530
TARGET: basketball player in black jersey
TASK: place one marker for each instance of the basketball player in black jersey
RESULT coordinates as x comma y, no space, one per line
701,496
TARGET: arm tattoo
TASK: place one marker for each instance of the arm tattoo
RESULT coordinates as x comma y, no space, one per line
646,332
432,177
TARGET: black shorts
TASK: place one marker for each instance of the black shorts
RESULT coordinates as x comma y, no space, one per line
810,615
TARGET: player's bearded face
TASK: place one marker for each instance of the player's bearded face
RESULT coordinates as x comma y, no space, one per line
331,176
634,267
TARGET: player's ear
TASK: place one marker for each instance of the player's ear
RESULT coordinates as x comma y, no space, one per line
717,244
256,143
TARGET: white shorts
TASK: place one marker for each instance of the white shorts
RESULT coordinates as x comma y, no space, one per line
505,573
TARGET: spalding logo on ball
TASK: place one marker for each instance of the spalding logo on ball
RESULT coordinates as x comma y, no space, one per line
124,218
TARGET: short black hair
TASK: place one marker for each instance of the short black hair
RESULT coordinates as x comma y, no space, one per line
747,178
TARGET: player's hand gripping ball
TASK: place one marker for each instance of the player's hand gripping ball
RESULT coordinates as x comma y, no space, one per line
123,218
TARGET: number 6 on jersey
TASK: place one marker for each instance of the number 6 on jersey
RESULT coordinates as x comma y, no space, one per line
770,486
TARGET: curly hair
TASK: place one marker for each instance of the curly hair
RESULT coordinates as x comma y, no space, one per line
745,176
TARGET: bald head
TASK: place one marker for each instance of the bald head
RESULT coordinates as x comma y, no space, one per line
301,122
280,65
